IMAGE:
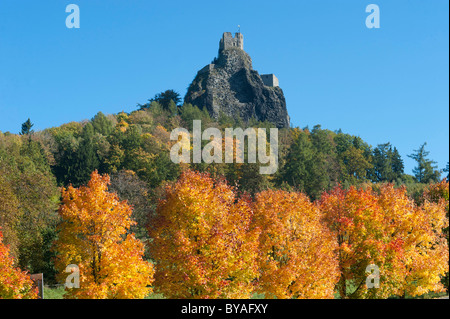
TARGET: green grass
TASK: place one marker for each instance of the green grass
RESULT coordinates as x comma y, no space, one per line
155,296
54,292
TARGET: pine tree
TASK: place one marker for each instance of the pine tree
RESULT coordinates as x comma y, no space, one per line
297,171
85,159
397,164
164,99
426,170
26,127
387,164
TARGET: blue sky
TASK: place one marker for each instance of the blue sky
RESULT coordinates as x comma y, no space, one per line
386,84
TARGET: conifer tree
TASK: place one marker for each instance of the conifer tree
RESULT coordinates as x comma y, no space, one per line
426,171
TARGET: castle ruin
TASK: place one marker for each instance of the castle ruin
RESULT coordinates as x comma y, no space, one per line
229,85
270,80
227,42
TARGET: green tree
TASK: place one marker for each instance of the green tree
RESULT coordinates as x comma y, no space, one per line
228,121
355,158
398,167
356,165
326,163
301,169
164,99
172,108
426,171
130,142
28,201
86,160
387,164
26,127
102,124
65,156
251,180
190,112
10,214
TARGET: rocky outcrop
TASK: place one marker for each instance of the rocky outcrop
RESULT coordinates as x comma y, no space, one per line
230,85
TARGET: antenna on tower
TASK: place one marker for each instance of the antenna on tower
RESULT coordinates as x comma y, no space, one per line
239,29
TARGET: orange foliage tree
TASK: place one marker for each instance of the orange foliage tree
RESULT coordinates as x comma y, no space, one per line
14,283
202,245
296,252
384,227
438,193
93,236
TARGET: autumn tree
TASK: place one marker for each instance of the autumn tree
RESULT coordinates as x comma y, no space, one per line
438,193
384,227
426,254
93,237
14,283
202,245
296,252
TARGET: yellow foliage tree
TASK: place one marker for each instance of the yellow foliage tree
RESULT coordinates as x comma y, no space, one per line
93,236
296,252
384,227
439,193
202,243
14,283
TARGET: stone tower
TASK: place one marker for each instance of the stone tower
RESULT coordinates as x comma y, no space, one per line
228,41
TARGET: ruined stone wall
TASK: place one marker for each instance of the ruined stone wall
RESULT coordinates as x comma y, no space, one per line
270,80
207,68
